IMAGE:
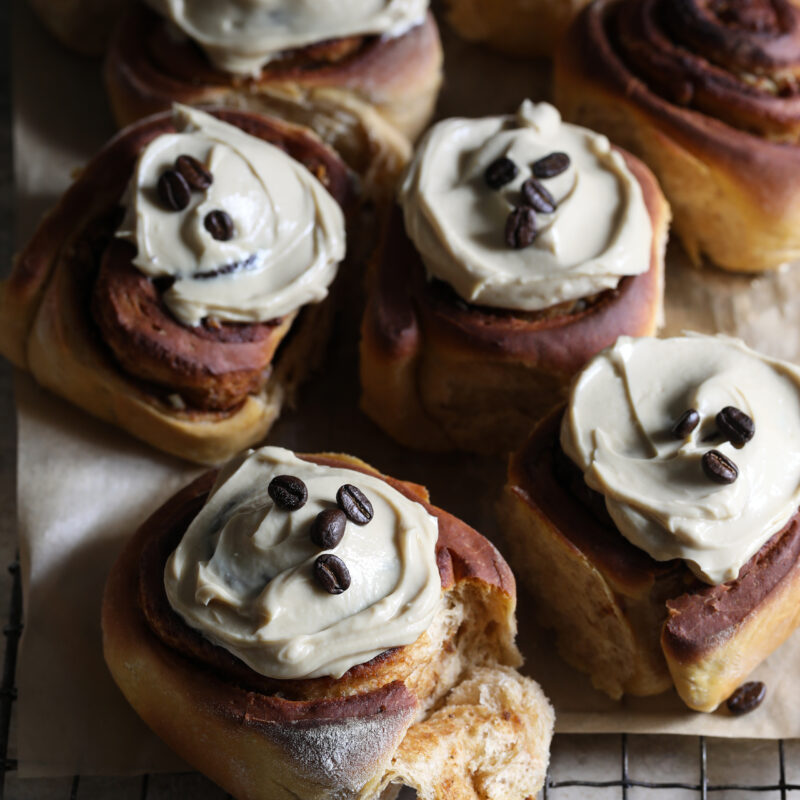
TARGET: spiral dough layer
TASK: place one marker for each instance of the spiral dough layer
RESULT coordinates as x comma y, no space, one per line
736,61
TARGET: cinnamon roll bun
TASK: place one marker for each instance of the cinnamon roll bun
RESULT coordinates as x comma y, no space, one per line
497,286
655,526
278,681
706,93
364,76
179,287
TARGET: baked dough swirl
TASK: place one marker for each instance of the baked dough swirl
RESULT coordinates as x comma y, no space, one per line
737,62
706,92
255,595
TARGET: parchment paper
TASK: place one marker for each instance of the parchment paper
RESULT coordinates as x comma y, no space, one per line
84,487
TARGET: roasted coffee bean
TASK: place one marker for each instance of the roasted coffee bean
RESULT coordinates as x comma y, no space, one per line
735,425
327,529
219,224
194,173
354,503
288,492
719,468
537,197
332,573
747,698
520,228
550,166
686,423
173,190
500,172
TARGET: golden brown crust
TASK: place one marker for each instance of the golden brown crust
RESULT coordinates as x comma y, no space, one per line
733,193
48,327
655,613
440,374
324,738
364,101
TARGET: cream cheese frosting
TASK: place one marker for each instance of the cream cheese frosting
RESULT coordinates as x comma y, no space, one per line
288,231
599,232
243,572
240,36
617,430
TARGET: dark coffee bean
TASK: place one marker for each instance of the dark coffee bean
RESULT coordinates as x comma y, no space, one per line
686,423
536,196
219,224
354,503
735,425
288,492
747,698
520,228
500,172
173,190
332,573
550,166
719,468
194,173
327,529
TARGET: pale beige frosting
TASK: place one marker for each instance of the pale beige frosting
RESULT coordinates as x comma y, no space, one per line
240,36
617,430
243,572
599,232
289,232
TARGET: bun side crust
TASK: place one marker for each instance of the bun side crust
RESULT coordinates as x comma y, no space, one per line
716,636
513,26
634,624
366,106
437,374
346,741
48,329
733,194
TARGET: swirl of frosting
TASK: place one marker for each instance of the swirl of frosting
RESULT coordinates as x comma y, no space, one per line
243,572
288,232
240,36
599,232
617,429
738,62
